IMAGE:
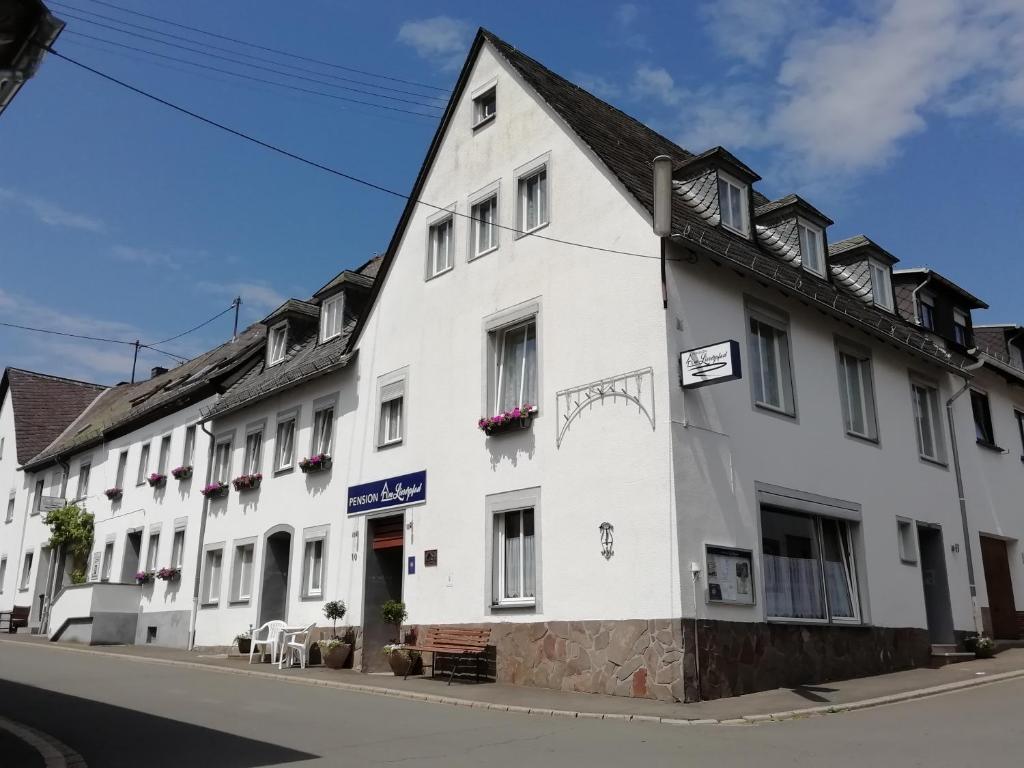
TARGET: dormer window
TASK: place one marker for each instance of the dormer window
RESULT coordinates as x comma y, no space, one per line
926,311
811,248
332,317
485,107
277,343
732,204
960,323
881,285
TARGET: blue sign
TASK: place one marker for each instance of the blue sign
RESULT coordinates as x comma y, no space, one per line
412,564
398,491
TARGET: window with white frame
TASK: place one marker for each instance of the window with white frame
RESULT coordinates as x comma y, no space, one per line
332,316
926,421
982,412
178,547
108,561
515,376
10,507
222,461
26,572
485,107
732,204
810,572
140,477
313,567
908,545
771,368
881,285
84,469
153,550
532,200
960,324
323,428
241,572
484,226
277,343
2,439
212,563
253,452
190,446
122,467
37,503
812,247
165,455
3,572
392,407
857,391
284,444
513,558
440,245
926,311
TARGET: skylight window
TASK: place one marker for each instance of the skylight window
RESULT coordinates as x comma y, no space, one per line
732,204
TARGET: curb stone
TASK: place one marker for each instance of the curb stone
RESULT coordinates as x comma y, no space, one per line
755,719
55,753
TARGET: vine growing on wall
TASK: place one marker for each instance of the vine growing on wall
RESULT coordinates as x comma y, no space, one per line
71,527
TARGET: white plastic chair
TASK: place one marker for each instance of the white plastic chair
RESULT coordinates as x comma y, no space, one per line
297,643
268,636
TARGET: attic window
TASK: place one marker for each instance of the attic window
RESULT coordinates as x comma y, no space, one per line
485,107
881,287
960,323
732,204
277,344
332,317
811,248
926,311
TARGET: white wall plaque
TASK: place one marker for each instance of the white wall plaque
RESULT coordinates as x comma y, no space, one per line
710,365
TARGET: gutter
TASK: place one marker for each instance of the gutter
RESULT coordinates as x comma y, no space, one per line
913,295
202,538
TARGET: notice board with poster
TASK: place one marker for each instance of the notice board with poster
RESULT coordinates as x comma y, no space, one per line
730,575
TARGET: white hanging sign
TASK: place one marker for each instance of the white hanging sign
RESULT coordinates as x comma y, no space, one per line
710,365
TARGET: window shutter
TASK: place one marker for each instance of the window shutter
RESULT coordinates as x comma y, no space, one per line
392,390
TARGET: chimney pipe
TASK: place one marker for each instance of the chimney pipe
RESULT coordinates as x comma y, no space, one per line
157,370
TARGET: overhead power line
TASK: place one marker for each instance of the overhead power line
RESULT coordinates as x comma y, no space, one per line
334,171
92,338
196,328
267,49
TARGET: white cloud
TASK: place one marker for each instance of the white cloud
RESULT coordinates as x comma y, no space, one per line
441,39
749,29
597,85
655,83
51,214
145,256
626,14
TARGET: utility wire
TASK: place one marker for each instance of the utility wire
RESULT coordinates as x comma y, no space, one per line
211,46
92,338
287,86
196,328
289,54
326,168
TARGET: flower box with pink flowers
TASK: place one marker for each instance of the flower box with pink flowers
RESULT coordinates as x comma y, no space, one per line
215,490
508,421
168,573
247,482
114,494
156,480
144,577
181,473
319,462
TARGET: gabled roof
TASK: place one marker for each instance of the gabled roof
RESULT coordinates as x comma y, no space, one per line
292,307
716,157
858,246
43,406
970,300
795,202
344,278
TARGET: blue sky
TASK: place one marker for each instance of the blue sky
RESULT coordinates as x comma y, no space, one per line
900,119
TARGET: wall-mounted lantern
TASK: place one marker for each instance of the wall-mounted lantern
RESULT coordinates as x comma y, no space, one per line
607,540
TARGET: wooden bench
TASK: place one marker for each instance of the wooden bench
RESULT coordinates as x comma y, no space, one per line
462,643
11,620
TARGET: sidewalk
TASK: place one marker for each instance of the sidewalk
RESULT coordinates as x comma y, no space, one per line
778,704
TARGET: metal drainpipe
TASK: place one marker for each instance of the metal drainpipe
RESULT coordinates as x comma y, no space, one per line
202,537
917,306
960,493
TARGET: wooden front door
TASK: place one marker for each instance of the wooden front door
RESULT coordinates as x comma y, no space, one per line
1000,588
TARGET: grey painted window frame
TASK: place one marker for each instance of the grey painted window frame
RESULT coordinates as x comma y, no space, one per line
907,547
989,423
86,466
314,533
755,310
442,217
107,563
492,190
744,190
334,298
292,415
321,403
3,572
497,504
204,590
121,468
188,449
271,332
521,174
941,459
11,504
493,325
234,589
142,472
259,426
226,437
25,574
491,86
386,381
862,353
818,233
155,532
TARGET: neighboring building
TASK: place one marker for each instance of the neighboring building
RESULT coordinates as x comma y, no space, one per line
27,28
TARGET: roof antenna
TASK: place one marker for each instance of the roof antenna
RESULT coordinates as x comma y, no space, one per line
237,302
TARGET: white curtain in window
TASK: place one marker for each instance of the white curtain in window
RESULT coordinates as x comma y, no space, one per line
518,374
838,568
793,587
323,422
767,345
285,442
529,556
513,555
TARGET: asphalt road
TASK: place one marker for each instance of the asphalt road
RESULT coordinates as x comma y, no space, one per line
128,713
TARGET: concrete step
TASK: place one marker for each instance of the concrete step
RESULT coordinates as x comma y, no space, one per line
945,658
944,648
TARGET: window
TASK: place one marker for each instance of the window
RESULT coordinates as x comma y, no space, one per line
190,446
284,445
771,372
10,508
253,452
108,561
277,345
392,405
926,419
485,107
811,248
516,374
40,488
1017,415
439,255
982,418
26,572
122,466
143,465
732,204
881,287
857,394
908,548
313,568
960,323
178,548
241,573
153,550
83,481
2,439
222,462
484,226
533,200
165,455
332,317
513,561
212,576
3,573
323,426
809,569
926,311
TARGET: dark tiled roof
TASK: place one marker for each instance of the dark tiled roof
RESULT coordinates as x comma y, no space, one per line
128,406
918,274
293,307
844,249
43,407
904,296
787,201
347,277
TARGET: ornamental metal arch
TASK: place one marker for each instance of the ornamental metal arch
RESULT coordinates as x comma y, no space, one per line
636,387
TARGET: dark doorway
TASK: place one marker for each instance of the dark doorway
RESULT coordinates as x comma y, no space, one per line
1001,606
130,562
39,593
383,582
277,555
936,585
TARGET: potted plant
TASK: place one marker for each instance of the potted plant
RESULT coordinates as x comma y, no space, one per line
334,650
169,573
508,421
983,647
156,480
247,482
144,577
318,462
114,494
214,490
182,473
244,641
402,660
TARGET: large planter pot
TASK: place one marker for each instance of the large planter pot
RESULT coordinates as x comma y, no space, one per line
405,663
336,657
244,646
